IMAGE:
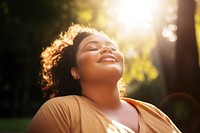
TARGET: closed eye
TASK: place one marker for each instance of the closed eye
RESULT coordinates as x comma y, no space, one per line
93,49
113,49
112,46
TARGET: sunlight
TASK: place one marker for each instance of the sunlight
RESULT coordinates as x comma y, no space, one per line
134,13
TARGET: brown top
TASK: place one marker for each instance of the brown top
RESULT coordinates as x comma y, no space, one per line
73,114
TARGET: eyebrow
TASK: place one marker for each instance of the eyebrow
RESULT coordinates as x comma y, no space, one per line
97,42
90,42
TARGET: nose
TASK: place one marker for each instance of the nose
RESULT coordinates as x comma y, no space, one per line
106,49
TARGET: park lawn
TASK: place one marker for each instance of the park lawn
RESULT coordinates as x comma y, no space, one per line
14,124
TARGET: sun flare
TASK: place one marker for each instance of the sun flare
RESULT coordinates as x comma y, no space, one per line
134,13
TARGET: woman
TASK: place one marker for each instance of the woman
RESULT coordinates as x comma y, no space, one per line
81,74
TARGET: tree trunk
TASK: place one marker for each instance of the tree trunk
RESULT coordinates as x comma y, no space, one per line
187,71
187,65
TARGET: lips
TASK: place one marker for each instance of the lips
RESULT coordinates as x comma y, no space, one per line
107,58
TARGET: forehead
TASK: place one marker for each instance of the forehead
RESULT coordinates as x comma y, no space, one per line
97,38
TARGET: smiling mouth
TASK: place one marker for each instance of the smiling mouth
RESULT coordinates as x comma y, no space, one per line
107,58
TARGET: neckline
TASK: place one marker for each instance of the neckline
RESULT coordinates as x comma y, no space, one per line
113,121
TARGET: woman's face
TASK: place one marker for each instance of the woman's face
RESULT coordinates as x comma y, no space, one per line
99,58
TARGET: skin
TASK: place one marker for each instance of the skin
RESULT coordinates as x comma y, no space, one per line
100,66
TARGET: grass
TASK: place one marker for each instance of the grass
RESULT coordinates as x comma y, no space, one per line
14,124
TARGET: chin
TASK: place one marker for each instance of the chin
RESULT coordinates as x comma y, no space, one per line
112,73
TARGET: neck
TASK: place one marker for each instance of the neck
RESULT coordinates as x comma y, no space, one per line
103,96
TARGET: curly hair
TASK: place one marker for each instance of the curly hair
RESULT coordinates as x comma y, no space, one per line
59,58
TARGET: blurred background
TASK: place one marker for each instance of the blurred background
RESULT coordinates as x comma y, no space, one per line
160,40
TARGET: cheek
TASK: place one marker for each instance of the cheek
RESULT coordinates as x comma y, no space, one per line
121,63
85,63
121,59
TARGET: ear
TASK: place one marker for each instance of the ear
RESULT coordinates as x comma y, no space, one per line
74,73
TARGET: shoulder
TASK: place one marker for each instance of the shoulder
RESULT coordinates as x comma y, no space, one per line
59,104
61,100
143,105
58,114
